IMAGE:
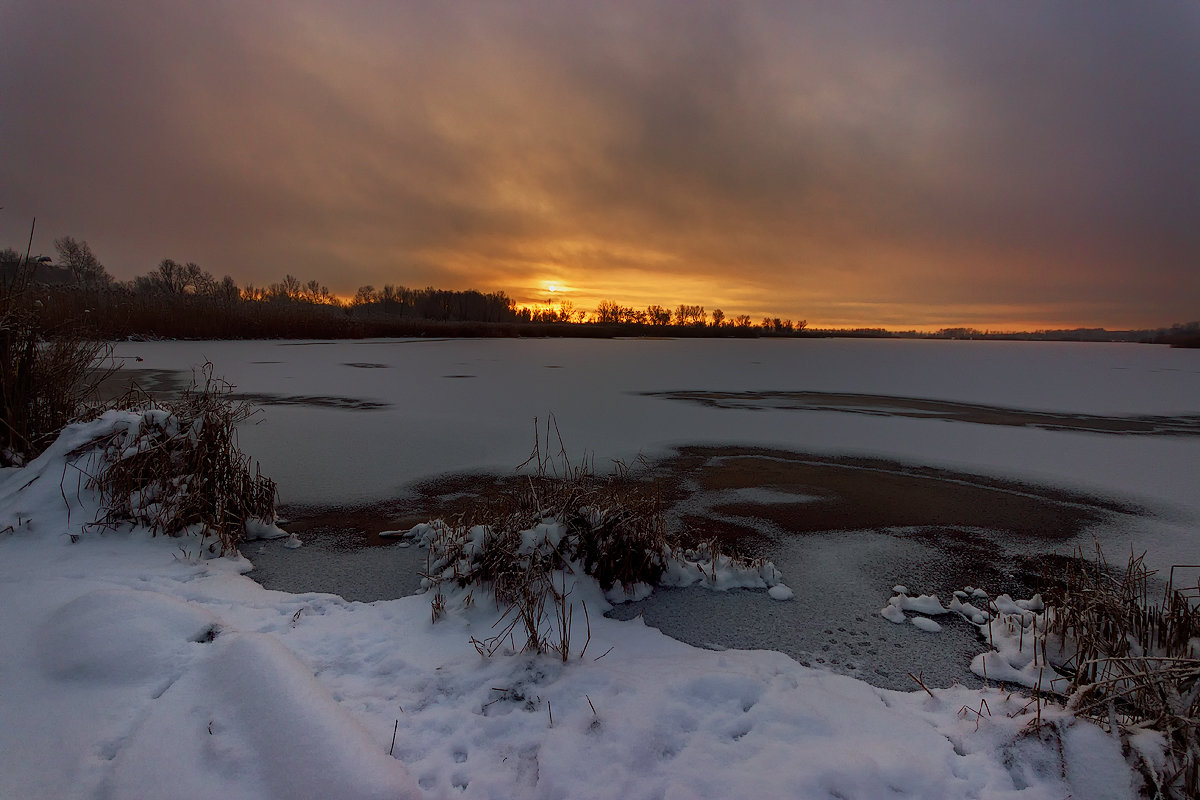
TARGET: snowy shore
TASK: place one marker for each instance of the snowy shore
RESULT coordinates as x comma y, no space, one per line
134,668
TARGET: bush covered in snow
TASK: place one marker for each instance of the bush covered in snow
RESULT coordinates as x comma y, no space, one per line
523,541
178,467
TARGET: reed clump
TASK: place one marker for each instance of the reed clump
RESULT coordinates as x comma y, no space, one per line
1132,657
177,468
47,370
522,541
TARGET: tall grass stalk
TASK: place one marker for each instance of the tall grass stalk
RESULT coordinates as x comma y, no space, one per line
1132,657
181,469
46,369
522,542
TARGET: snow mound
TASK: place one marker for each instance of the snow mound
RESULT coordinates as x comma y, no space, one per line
721,572
781,592
968,611
922,604
620,593
251,721
122,636
1009,628
263,529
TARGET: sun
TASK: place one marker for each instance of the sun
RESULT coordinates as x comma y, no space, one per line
551,287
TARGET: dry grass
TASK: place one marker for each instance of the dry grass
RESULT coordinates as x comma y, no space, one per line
46,371
521,542
181,469
1133,658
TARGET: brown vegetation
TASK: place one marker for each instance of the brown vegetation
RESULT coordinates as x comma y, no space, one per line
46,363
520,542
181,469
1134,660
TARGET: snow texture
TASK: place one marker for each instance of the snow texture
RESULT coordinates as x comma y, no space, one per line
133,670
922,604
780,592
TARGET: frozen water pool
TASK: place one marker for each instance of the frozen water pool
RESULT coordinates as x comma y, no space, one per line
843,531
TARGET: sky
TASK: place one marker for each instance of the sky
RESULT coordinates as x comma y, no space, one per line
859,164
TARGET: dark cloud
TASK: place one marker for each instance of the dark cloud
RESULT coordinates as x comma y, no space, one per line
858,163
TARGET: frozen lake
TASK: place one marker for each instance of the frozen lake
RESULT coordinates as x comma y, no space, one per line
354,422
854,464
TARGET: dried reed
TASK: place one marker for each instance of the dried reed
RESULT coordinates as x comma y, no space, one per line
1132,658
47,370
526,537
182,469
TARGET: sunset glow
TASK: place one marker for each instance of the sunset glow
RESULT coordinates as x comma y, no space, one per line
907,166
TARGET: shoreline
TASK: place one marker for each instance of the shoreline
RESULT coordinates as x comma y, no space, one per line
842,530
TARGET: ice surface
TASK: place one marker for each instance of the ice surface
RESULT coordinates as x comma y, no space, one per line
302,692
834,621
337,563
431,425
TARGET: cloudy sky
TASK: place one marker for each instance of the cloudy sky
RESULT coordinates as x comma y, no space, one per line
999,165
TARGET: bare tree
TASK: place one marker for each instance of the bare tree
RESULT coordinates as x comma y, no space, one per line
314,292
608,312
254,293
199,281
171,277
567,311
689,315
290,287
657,315
227,290
79,258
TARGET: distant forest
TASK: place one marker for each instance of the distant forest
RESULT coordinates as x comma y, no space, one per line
184,301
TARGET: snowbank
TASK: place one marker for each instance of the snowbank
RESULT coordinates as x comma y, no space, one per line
250,720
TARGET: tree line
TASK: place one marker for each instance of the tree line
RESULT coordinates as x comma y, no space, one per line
183,300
